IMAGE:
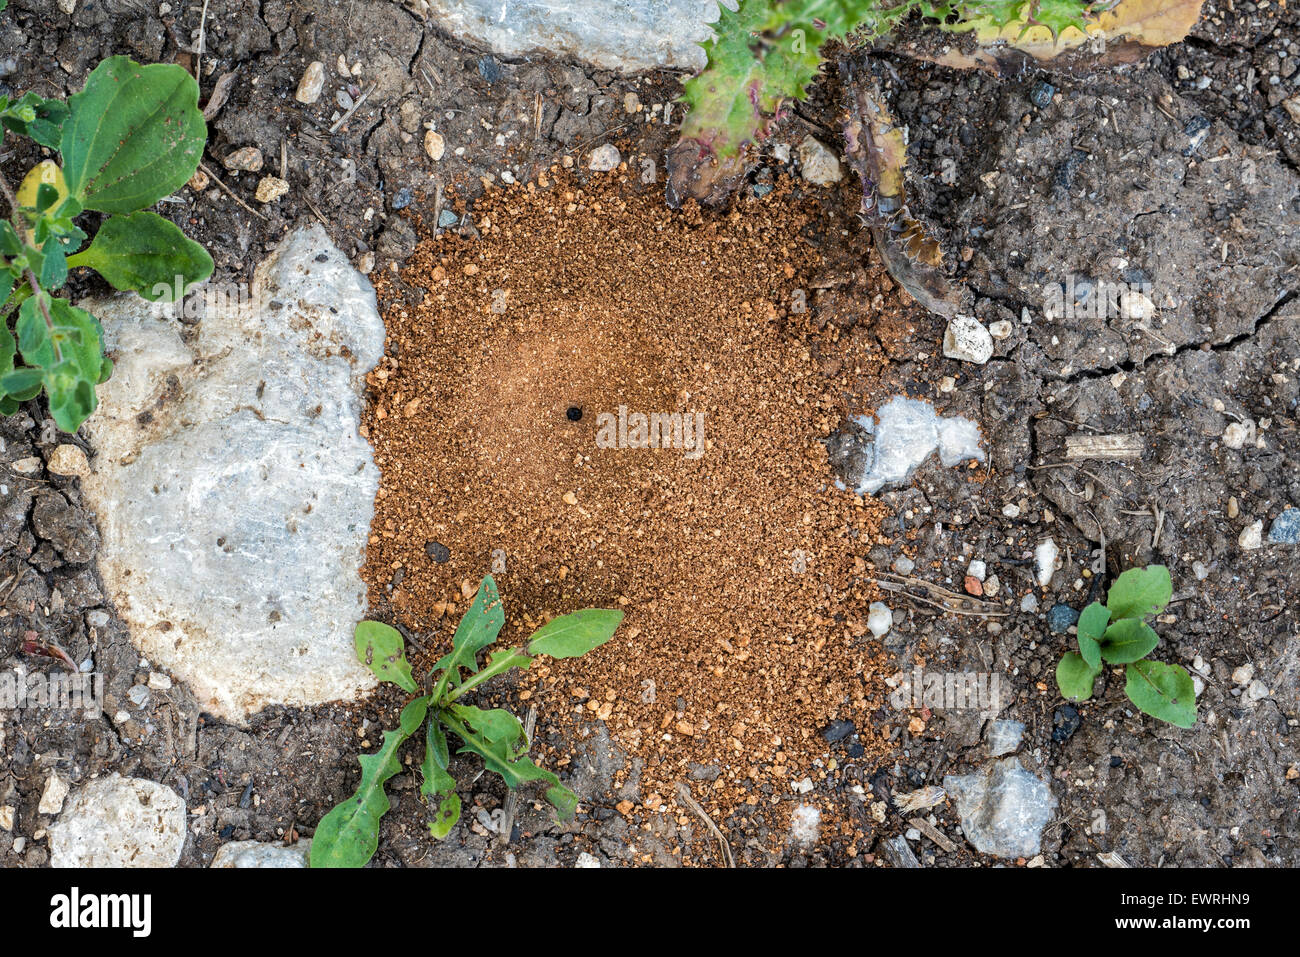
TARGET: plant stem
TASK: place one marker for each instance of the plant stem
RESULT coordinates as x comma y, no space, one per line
499,666
32,281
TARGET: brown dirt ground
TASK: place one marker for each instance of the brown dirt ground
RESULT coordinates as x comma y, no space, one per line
730,656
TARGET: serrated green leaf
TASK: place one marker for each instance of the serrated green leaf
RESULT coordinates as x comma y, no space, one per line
1139,592
497,726
133,135
499,662
761,55
67,346
1163,691
1057,15
147,254
514,771
1075,677
1129,639
382,650
573,635
72,398
348,836
477,629
35,117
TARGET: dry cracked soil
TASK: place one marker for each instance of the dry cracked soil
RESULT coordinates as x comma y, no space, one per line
1179,176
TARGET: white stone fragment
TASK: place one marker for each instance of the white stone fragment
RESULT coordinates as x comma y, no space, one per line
879,618
1237,434
805,825
817,164
119,822
604,158
232,489
908,432
1256,691
68,460
313,80
434,145
53,795
630,35
1252,536
1135,305
966,339
1045,557
256,854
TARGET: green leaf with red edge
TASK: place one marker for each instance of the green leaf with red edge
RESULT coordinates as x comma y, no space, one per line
133,135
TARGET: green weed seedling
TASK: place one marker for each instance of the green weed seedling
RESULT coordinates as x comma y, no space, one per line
1116,634
349,834
763,56
132,135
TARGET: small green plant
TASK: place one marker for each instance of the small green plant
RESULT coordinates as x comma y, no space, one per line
764,54
1115,633
132,135
349,834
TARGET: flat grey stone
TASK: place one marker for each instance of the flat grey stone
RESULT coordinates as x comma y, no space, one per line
119,822
232,489
628,35
256,854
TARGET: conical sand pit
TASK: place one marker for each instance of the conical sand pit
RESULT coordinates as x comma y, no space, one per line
505,423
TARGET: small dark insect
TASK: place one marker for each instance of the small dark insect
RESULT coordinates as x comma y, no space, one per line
574,413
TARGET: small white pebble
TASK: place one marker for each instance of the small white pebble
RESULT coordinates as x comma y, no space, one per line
879,619
603,159
1045,558
1252,536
